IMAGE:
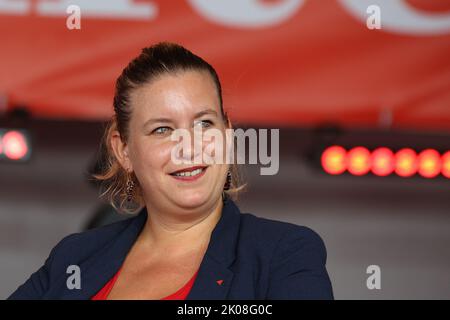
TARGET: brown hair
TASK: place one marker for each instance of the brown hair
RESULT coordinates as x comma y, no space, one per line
153,62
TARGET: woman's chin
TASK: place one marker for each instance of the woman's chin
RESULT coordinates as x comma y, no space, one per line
190,200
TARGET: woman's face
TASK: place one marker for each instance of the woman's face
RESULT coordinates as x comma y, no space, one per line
186,100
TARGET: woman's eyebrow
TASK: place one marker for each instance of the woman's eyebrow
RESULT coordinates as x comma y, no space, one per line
157,120
205,112
167,120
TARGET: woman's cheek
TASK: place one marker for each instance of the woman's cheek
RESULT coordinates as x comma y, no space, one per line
158,157
214,149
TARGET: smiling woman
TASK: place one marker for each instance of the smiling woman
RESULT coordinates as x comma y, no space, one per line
189,239
165,88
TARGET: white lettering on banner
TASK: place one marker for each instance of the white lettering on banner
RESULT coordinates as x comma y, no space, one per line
17,7
90,8
110,8
400,17
247,13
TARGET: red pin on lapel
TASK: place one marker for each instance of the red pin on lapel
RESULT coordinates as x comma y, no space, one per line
219,282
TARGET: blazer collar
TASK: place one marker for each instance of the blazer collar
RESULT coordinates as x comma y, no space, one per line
214,276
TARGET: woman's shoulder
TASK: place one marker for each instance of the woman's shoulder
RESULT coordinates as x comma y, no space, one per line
275,228
267,232
93,238
255,231
295,256
71,250
259,229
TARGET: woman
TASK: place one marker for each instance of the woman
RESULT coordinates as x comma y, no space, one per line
189,240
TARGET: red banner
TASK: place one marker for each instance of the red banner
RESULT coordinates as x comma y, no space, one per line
282,62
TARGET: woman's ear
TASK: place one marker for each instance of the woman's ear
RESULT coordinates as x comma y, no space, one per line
121,151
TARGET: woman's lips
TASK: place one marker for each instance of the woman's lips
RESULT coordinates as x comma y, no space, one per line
189,169
190,178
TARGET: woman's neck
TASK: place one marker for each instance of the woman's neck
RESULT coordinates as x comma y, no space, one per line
176,233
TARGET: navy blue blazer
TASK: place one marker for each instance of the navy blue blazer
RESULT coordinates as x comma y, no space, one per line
256,258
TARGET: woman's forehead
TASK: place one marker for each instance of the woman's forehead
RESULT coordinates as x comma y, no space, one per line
182,94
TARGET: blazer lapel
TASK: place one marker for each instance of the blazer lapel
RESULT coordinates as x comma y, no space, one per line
213,279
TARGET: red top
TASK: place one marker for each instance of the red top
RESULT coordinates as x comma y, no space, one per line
181,294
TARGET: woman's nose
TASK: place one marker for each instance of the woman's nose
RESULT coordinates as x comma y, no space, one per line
192,150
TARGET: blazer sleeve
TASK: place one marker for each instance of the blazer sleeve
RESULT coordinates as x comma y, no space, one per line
38,283
298,267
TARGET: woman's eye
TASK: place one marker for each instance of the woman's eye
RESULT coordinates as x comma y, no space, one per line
161,130
206,123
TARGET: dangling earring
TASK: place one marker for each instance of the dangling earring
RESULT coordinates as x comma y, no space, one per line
130,188
228,182
226,186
